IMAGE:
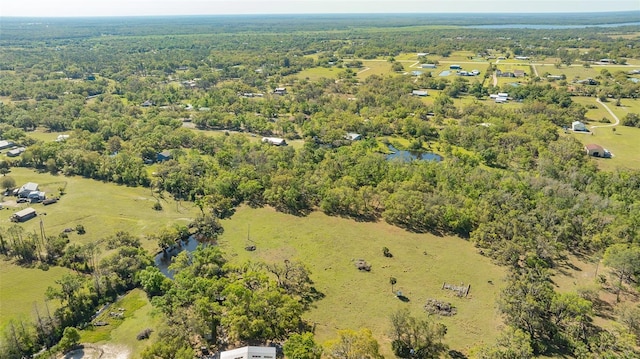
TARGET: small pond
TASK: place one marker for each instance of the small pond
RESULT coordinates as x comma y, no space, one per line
163,261
409,156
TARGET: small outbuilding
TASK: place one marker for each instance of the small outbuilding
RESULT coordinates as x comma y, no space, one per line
250,352
455,67
578,126
420,93
23,215
595,150
280,91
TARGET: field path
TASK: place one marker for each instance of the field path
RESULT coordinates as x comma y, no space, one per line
363,70
611,113
535,70
495,79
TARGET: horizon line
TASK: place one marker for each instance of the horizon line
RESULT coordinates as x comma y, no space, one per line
327,13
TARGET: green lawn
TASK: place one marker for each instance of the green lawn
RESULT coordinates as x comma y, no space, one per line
375,67
22,289
103,208
623,144
137,316
354,299
317,73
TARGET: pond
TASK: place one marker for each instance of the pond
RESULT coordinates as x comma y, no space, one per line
408,156
163,261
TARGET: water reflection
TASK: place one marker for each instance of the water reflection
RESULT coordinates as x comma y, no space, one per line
408,156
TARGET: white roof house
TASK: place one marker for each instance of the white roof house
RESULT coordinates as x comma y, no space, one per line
5,144
274,141
352,136
250,352
578,126
419,93
27,188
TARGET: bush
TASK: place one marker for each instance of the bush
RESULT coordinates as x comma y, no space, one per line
80,229
157,206
144,334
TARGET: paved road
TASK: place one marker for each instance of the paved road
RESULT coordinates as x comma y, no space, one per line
611,113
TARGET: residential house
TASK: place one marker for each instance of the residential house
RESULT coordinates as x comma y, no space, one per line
578,126
274,141
280,91
522,58
428,66
352,136
16,152
250,352
163,156
26,189
6,144
420,93
519,73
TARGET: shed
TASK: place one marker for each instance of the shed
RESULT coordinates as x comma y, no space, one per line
23,215
594,150
250,352
455,67
27,188
428,66
578,126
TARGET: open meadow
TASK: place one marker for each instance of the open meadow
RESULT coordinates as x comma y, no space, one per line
355,299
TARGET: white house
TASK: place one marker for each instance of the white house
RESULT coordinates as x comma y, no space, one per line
250,353
578,126
352,136
5,144
274,141
27,188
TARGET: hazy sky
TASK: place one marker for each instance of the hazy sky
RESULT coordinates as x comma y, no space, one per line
212,7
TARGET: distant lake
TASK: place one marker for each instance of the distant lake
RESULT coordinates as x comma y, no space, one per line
550,26
408,156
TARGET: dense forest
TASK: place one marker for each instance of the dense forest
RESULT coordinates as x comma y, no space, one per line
511,182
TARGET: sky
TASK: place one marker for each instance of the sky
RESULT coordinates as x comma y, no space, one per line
74,8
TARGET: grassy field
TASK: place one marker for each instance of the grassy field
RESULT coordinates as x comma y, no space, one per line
137,316
22,289
623,144
375,67
317,73
354,299
102,208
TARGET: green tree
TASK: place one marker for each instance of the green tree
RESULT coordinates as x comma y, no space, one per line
415,338
302,346
624,260
512,344
352,344
70,339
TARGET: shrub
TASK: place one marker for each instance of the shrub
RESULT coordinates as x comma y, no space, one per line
157,206
80,229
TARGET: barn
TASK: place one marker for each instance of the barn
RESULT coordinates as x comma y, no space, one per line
23,215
